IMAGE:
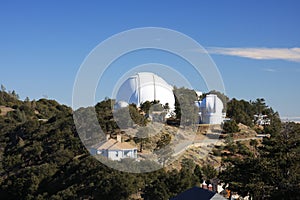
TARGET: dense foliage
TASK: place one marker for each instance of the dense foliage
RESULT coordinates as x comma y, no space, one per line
42,157
267,171
185,108
230,127
243,111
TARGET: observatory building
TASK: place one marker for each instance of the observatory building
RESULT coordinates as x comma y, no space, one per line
210,110
145,86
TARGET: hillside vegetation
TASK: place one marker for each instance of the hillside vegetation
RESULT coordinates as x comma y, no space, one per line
42,157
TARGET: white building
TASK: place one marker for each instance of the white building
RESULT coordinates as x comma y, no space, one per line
146,86
211,110
261,119
114,149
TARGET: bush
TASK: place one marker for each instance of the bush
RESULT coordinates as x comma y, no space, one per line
231,127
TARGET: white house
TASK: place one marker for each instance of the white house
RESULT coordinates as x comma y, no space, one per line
114,149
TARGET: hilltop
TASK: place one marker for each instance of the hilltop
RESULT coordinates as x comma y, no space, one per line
42,156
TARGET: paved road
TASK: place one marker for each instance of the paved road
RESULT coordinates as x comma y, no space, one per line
186,144
245,139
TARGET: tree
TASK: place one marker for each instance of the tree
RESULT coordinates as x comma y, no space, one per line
145,106
142,136
198,173
241,111
259,105
209,172
274,173
164,154
231,127
164,140
14,95
123,118
188,164
282,151
185,108
3,88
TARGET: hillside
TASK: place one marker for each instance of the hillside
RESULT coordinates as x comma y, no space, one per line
42,157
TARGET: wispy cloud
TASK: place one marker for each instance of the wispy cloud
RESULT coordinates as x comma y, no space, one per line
269,70
290,54
290,119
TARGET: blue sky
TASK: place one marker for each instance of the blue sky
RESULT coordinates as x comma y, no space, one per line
255,44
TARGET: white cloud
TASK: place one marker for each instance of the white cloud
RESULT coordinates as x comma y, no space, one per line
269,70
290,54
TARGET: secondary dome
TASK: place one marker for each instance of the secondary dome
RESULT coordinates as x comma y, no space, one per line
211,110
212,104
146,86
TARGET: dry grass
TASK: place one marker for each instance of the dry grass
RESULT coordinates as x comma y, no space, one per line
5,110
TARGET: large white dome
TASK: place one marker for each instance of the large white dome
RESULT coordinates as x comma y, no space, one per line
146,86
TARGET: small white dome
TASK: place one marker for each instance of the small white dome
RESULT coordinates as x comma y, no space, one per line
198,93
121,104
211,110
212,104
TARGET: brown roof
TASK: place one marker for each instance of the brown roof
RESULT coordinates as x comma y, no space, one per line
113,144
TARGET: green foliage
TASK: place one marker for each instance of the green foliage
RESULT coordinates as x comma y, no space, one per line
123,119
209,172
154,110
142,136
185,108
45,159
148,106
42,156
198,174
9,99
240,111
136,116
273,173
231,127
243,111
164,140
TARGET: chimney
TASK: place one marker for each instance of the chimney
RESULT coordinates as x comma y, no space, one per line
215,184
119,138
204,185
210,187
107,137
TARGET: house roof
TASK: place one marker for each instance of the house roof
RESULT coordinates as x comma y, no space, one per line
197,193
113,144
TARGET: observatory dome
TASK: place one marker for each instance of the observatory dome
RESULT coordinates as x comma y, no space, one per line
212,104
121,104
146,86
211,110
